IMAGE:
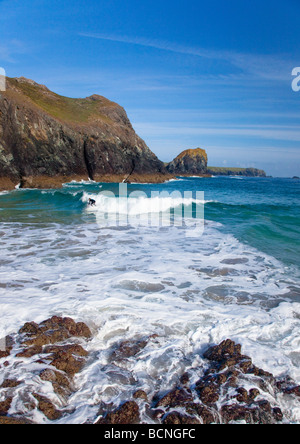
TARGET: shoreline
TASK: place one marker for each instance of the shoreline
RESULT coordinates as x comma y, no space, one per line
56,182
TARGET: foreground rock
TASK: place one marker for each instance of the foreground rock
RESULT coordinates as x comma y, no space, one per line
127,413
220,396
227,388
51,346
231,390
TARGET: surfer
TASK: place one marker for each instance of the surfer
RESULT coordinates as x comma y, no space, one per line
92,202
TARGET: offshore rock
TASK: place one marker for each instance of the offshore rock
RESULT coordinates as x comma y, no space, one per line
189,163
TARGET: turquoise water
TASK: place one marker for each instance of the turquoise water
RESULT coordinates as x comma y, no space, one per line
263,212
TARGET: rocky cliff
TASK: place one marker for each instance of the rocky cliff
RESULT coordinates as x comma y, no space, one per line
47,139
248,172
193,162
189,163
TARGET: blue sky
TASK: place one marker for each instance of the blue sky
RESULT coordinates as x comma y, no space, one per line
215,75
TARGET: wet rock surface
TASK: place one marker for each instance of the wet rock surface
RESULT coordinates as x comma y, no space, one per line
56,357
229,387
220,396
127,413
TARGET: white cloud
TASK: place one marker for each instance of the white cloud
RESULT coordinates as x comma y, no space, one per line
287,133
266,66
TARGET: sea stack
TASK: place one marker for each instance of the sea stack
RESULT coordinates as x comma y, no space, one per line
191,162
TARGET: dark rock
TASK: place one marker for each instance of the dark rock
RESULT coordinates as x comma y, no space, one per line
208,395
45,339
56,329
10,383
184,399
226,354
140,394
47,407
242,395
277,414
189,162
228,366
253,393
185,378
129,348
5,406
127,413
14,421
61,383
180,419
175,398
208,388
30,328
66,359
260,413
73,349
236,412
293,391
206,415
30,351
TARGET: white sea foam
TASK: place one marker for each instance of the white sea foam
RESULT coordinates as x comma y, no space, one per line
80,182
138,205
129,283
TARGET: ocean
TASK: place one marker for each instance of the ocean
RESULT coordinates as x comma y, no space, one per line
194,261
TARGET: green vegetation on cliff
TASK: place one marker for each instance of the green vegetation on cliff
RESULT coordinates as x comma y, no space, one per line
47,139
60,107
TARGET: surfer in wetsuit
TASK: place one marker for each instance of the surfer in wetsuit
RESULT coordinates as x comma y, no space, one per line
92,202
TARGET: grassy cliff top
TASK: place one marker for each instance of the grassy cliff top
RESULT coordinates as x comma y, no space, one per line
63,108
225,171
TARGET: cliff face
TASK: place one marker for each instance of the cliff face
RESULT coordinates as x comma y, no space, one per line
189,163
47,139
